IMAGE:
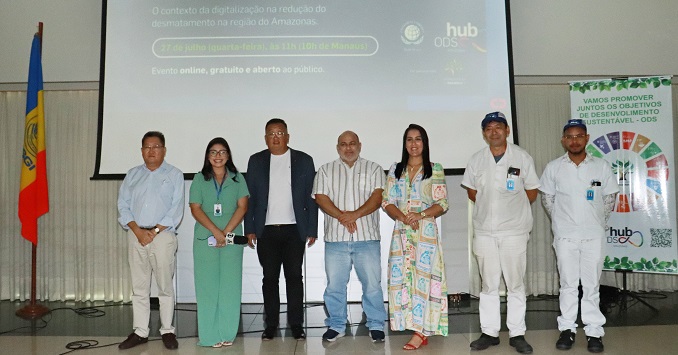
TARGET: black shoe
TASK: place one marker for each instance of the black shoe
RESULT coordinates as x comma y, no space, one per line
566,340
484,342
132,341
520,344
298,332
595,345
269,333
377,336
170,341
332,335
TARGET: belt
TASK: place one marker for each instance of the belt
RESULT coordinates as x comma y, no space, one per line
280,225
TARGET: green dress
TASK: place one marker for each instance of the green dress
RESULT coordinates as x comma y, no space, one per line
218,271
417,288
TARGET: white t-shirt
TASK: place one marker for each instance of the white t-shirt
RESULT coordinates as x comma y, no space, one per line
280,207
502,207
578,209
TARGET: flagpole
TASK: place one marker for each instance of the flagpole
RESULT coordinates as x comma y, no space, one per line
33,310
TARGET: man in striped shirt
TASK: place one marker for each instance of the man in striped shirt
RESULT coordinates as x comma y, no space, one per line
349,191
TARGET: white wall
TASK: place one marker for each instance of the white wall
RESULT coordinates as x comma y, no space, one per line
596,38
550,38
71,39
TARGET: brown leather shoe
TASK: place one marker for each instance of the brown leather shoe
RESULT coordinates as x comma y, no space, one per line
132,341
170,341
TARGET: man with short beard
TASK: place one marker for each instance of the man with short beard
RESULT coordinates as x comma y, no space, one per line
579,192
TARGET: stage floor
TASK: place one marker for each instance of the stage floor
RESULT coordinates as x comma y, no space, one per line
634,330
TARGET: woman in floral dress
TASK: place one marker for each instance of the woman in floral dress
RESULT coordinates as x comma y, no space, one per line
415,194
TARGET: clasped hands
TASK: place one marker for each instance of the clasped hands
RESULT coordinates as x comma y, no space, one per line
144,236
347,219
412,219
221,239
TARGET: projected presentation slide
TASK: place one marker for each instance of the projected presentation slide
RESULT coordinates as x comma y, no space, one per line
196,70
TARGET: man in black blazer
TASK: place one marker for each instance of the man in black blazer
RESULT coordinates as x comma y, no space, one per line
282,216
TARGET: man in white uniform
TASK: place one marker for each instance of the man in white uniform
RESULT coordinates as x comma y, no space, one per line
502,182
579,193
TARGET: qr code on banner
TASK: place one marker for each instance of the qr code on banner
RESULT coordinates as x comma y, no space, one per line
661,238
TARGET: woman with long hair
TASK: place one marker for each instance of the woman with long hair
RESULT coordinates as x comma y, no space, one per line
415,194
218,201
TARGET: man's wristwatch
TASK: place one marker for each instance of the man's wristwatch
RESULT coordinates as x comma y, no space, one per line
423,214
157,230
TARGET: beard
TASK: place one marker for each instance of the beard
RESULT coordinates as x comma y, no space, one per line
576,151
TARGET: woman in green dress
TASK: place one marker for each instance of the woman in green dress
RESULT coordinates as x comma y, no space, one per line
415,194
218,200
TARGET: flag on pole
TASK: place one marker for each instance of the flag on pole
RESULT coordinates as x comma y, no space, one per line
33,197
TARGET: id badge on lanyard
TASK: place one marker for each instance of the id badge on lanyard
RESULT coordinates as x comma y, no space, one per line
218,211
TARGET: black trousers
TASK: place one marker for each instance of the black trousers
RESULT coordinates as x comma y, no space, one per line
282,245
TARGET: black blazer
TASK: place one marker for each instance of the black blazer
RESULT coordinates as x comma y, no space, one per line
305,208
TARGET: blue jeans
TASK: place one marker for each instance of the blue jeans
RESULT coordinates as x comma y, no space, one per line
366,257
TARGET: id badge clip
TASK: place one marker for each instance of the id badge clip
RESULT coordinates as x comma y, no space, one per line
511,176
590,193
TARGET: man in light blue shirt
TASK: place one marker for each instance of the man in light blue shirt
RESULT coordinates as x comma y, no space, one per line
151,206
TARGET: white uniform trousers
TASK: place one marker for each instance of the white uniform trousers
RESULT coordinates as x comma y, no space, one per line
159,258
499,256
580,260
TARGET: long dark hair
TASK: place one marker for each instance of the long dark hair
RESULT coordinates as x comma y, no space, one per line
207,171
400,168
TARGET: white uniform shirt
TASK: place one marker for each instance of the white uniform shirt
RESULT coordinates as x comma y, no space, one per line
500,211
349,188
574,215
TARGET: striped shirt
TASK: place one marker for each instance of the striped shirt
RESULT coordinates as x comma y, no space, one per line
349,188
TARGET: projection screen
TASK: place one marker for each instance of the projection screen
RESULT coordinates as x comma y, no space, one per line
196,70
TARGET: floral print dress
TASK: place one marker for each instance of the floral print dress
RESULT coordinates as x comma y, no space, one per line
417,288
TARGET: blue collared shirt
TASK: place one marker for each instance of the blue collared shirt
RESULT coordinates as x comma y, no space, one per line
152,198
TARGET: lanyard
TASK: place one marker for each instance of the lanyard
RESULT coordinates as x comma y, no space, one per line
220,187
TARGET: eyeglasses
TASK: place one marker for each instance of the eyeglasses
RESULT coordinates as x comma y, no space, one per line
577,137
154,147
279,134
214,153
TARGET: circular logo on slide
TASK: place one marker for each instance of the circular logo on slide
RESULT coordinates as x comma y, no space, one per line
641,168
412,33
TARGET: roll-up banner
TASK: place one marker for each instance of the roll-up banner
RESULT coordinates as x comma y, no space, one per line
629,122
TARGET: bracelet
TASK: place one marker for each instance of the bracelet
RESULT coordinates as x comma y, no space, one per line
423,214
